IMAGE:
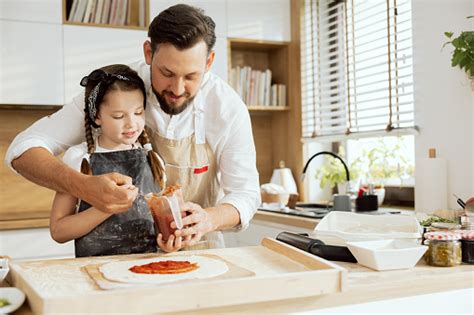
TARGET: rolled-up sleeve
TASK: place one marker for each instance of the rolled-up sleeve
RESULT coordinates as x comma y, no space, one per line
55,133
239,175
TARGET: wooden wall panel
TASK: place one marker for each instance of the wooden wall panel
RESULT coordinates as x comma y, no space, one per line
20,198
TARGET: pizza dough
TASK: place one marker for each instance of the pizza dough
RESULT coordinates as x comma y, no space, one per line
119,270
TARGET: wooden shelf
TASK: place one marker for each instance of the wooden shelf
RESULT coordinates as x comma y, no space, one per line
268,108
270,124
132,18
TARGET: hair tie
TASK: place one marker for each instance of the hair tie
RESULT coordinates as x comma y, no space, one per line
147,147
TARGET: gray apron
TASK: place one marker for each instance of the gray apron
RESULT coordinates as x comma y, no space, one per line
129,232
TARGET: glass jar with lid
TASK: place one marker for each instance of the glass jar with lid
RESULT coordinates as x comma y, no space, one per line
444,249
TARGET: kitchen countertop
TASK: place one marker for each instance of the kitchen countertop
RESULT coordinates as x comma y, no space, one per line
363,286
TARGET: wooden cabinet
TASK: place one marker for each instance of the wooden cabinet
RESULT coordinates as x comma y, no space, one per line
275,128
131,14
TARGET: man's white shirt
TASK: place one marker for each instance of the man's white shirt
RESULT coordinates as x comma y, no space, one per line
227,129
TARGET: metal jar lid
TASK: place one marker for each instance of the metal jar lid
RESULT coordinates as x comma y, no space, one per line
443,236
465,234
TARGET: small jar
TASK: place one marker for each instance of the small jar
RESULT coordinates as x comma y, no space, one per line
467,246
444,249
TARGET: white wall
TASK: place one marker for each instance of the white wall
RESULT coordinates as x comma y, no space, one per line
444,102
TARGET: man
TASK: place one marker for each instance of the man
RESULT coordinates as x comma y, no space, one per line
196,121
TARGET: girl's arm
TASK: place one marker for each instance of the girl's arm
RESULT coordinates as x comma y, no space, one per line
65,224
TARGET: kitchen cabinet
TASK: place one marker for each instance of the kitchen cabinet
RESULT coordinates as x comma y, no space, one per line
31,63
33,244
42,11
216,9
88,48
259,20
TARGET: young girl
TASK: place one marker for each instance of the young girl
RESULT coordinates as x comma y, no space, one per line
115,99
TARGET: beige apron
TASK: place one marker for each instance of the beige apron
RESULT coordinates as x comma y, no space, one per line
191,163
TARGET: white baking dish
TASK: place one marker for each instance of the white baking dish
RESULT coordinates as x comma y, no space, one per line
387,254
338,227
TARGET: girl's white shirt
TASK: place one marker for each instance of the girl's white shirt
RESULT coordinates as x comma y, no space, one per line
225,126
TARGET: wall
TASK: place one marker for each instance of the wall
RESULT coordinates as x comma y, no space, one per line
444,102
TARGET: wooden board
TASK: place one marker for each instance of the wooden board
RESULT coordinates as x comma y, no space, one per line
106,284
280,272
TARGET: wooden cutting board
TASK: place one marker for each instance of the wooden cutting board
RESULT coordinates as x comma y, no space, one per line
272,271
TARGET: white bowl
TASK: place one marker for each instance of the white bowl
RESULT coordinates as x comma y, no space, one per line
14,296
387,254
3,268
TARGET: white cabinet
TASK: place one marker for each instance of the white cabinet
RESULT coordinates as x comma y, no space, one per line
216,9
46,11
262,19
257,230
31,63
33,244
89,48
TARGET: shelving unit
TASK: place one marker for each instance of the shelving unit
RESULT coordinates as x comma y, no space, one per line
273,126
129,14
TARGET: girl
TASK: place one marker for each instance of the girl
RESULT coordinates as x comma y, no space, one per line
115,99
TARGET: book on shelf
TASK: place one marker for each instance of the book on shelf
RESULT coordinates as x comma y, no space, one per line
98,12
141,15
106,12
80,11
112,12
255,87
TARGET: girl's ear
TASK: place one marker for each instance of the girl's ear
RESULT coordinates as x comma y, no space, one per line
98,121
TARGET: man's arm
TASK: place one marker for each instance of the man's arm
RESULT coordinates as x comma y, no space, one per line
32,155
110,193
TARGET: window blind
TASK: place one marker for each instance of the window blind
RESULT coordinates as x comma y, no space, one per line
356,68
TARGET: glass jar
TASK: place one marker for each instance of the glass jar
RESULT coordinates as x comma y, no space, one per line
161,209
444,249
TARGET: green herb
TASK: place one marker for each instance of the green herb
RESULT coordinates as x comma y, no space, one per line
4,302
432,219
463,54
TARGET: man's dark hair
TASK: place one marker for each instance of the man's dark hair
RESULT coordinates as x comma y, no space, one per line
183,26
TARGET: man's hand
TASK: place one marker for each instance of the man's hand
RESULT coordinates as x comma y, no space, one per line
110,193
196,224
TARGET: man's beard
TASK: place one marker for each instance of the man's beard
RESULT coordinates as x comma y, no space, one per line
167,108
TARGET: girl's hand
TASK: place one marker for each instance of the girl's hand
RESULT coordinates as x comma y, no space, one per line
173,244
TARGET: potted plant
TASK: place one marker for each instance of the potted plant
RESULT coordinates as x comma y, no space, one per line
463,53
383,162
373,167
333,174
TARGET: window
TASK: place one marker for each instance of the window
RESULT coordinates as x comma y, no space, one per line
356,69
357,80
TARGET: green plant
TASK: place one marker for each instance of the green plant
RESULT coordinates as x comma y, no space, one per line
384,161
332,172
463,53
